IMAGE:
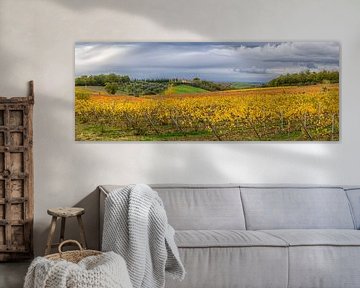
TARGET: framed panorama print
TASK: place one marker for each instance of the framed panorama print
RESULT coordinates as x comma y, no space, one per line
207,91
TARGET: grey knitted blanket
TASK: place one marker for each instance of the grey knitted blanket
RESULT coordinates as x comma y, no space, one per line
136,227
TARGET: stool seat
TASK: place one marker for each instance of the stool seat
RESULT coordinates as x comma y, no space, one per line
66,211
63,213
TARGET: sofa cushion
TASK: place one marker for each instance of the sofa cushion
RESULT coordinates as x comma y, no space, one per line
191,207
226,238
317,237
223,267
322,258
194,207
324,266
296,208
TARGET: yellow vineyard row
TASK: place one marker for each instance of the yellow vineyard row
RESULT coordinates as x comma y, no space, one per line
261,114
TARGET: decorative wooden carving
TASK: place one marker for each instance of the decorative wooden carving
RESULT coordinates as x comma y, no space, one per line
16,177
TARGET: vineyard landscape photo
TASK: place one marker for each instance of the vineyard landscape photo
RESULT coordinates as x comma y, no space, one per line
207,91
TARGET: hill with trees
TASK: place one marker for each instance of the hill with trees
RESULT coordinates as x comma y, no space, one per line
305,78
114,83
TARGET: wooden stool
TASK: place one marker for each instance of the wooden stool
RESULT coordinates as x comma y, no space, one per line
64,213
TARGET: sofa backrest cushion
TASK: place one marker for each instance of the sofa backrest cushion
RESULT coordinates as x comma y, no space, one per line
354,198
197,207
296,208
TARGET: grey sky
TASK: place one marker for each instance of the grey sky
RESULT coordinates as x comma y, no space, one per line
215,61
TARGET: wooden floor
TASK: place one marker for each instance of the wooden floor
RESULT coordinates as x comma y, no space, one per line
12,274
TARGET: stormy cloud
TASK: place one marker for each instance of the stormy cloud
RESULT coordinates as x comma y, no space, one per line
215,61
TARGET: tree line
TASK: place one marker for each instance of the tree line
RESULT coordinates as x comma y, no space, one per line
101,80
136,87
305,78
114,83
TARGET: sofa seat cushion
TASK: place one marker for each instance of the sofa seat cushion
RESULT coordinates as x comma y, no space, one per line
233,267
322,258
317,237
225,238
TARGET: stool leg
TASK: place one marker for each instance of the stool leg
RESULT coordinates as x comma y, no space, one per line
51,235
62,230
82,232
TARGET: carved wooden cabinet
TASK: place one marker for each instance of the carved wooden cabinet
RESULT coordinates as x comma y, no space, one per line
16,177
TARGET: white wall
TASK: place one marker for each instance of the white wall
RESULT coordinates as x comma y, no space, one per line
37,42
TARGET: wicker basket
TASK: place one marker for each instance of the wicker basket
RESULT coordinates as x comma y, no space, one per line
72,256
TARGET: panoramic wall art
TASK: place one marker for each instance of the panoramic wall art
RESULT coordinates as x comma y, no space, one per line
207,91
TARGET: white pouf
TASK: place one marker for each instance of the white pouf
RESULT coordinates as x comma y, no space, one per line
107,270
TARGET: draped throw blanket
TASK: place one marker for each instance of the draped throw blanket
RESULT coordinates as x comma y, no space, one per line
136,227
103,271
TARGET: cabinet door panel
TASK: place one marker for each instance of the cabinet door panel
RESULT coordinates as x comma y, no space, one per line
16,183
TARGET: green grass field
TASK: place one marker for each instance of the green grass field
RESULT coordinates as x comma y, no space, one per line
241,85
184,89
